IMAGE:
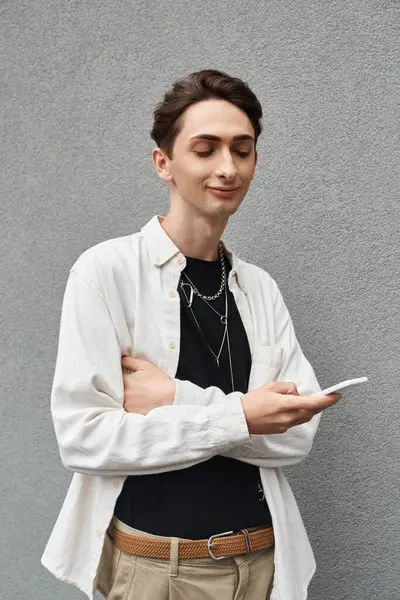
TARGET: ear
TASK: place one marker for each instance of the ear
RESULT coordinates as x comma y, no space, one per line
161,164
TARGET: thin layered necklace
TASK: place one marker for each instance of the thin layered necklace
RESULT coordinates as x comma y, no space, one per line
224,320
193,291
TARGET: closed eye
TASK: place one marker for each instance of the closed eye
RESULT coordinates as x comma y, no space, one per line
209,152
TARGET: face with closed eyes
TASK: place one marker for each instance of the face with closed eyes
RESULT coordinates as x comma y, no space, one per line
213,159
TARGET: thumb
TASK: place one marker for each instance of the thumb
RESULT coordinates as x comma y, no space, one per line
283,387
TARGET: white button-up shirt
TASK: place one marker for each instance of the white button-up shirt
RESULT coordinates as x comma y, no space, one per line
120,299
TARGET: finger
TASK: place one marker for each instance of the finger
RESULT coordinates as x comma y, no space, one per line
128,360
330,399
313,402
296,417
303,416
131,362
130,377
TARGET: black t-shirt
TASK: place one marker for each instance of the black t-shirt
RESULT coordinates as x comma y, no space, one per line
220,494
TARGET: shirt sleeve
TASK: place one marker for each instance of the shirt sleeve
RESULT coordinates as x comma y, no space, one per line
95,435
272,450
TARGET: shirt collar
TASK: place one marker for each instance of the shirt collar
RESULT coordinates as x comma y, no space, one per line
161,248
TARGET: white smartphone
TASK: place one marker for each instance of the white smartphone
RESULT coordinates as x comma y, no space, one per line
341,386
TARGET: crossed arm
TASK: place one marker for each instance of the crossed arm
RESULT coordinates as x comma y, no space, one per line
97,436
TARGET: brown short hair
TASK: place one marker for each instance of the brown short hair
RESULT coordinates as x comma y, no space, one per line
197,86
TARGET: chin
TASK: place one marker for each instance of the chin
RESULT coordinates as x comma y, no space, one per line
229,206
224,208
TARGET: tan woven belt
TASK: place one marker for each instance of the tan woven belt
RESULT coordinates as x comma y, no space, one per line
217,546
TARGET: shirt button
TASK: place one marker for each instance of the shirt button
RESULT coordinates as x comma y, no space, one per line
180,260
172,293
99,532
158,260
172,344
116,484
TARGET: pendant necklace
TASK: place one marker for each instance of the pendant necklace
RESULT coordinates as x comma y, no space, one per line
223,319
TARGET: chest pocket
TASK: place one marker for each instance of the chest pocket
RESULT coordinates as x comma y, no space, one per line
266,365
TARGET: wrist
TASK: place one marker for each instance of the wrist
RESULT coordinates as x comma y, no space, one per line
246,410
169,392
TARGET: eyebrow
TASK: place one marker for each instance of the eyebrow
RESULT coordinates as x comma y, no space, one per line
215,138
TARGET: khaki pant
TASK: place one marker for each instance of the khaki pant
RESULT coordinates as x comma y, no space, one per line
123,576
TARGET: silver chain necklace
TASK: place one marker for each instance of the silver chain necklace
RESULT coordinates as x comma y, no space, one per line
223,318
194,289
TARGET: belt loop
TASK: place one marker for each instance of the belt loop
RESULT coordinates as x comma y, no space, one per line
174,557
247,540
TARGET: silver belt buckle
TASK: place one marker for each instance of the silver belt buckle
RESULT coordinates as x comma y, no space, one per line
210,541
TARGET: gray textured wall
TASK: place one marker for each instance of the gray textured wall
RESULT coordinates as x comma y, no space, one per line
78,84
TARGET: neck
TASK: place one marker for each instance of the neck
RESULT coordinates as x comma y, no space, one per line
194,235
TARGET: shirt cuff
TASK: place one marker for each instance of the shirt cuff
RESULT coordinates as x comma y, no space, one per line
226,419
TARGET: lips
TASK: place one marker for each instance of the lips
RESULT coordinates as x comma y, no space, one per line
223,189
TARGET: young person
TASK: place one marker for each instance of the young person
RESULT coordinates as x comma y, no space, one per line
180,388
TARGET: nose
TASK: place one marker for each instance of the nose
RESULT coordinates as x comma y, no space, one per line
226,166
